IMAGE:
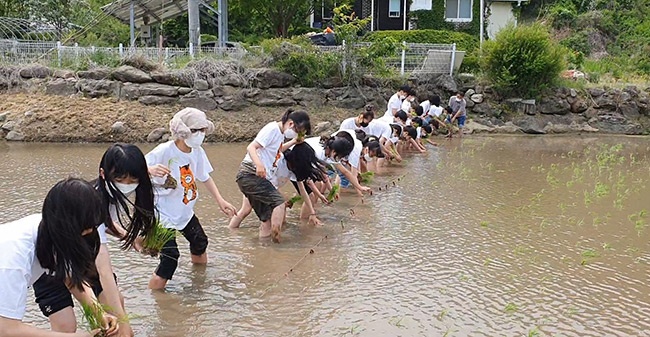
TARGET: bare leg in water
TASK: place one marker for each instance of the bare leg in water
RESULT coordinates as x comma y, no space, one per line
277,217
243,212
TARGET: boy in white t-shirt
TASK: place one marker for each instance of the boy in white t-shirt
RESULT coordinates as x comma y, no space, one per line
395,102
184,160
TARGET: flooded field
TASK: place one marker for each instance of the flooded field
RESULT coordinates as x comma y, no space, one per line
507,236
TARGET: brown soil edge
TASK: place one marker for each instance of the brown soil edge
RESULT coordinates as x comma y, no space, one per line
48,118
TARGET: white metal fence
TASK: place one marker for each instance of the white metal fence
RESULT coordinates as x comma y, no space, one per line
411,58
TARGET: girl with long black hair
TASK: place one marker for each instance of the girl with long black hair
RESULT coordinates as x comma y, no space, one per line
61,242
122,172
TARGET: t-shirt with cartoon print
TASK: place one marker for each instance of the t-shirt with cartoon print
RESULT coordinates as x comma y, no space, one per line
176,206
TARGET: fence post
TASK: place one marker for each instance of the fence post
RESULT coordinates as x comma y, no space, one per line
121,49
166,53
191,50
344,63
453,59
76,52
58,52
403,58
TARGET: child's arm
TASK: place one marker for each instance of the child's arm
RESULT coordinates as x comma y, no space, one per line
110,295
352,177
305,198
316,192
252,148
224,205
87,297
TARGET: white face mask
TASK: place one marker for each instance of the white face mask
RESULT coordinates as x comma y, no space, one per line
402,97
367,157
290,134
126,189
394,139
195,140
411,99
458,99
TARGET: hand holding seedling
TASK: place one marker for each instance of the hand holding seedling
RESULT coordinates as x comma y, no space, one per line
159,170
110,324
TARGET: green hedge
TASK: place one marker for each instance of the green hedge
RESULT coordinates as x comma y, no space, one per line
435,19
463,41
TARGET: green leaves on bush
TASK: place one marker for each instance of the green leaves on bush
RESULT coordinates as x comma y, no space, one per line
522,61
463,41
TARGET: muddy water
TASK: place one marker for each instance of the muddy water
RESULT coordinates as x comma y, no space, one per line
509,236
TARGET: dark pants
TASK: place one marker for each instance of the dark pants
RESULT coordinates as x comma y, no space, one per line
262,195
53,296
169,253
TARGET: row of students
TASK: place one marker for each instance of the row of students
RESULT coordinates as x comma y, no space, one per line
63,250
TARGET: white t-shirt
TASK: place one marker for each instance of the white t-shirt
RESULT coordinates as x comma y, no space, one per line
19,266
355,156
282,174
176,207
435,111
393,103
315,144
406,106
379,129
271,139
426,106
419,132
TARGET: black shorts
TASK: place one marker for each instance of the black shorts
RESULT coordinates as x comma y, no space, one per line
262,195
169,254
307,188
53,296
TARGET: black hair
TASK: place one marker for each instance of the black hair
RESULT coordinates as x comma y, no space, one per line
419,110
372,143
302,161
342,145
412,92
368,114
300,119
417,120
411,131
360,134
397,130
405,88
401,114
122,160
435,100
449,110
462,94
427,128
71,207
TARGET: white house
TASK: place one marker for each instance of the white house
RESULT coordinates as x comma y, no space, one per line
391,14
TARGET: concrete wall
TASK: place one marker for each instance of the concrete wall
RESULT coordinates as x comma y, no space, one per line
500,15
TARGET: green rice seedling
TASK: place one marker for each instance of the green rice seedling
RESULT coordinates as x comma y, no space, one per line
93,314
534,332
607,246
366,177
294,200
443,313
157,238
510,307
333,192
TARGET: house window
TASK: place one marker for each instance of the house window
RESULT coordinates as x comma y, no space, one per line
458,10
394,8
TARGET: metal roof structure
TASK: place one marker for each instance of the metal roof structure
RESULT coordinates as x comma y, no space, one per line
145,12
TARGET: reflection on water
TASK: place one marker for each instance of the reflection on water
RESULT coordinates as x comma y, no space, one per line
483,237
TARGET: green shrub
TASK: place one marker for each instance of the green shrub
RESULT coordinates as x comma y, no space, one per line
208,38
311,68
463,41
578,42
563,14
522,60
